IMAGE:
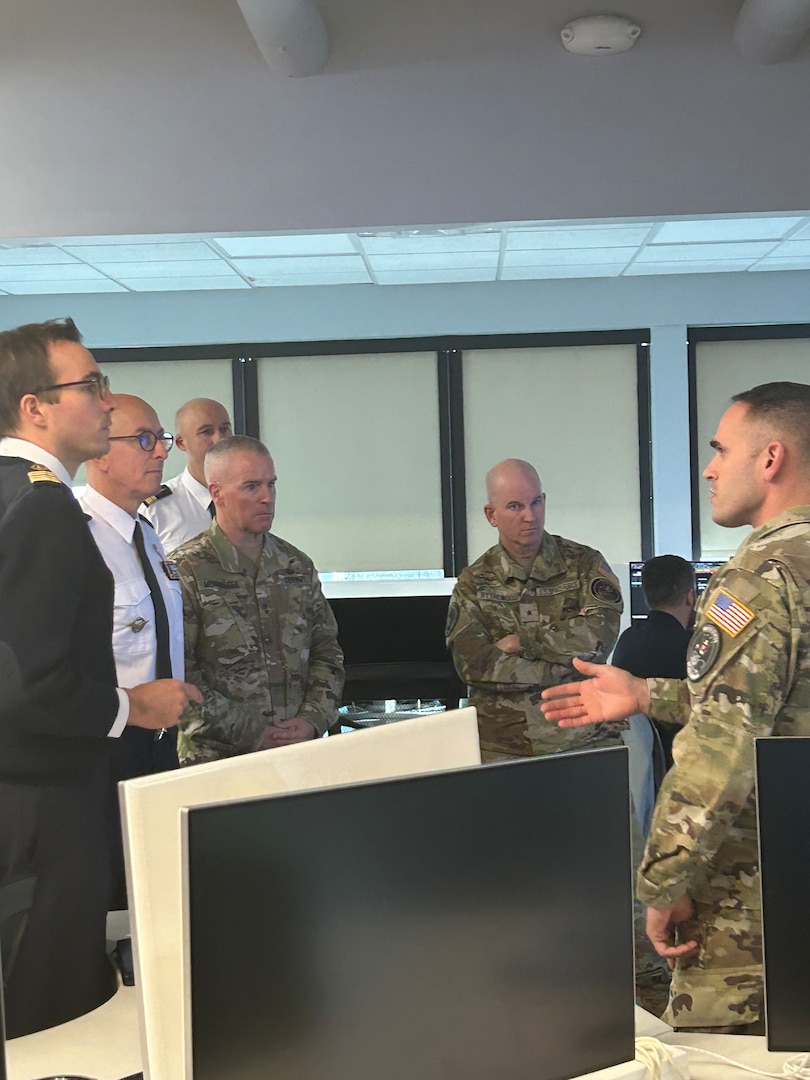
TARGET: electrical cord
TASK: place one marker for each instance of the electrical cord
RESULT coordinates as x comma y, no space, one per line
654,1054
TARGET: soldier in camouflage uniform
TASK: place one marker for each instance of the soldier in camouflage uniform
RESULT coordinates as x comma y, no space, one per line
261,640
748,675
521,612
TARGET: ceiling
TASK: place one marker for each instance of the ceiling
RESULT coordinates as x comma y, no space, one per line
517,251
149,148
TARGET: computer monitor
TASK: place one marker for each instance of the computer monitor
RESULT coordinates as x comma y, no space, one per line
638,605
783,800
474,923
3,1073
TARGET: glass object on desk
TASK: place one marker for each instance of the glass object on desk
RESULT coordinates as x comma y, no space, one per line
360,714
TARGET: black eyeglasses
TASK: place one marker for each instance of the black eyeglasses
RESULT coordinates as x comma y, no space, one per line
148,440
99,384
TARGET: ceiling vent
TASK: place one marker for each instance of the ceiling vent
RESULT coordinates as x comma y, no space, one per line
599,35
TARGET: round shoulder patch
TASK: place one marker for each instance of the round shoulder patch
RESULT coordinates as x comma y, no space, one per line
452,618
603,590
703,650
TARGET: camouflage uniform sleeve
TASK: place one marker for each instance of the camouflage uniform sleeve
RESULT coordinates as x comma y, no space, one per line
735,698
546,648
592,633
325,674
218,718
669,700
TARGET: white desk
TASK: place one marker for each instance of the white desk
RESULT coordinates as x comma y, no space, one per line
105,1044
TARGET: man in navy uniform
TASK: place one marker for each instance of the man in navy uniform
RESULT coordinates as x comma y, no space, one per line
60,707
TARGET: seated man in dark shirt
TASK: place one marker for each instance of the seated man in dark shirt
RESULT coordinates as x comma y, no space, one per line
656,646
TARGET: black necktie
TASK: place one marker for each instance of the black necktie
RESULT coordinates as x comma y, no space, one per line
212,510
163,664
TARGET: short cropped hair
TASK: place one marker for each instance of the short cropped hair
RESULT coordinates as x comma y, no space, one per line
665,579
232,445
25,366
785,405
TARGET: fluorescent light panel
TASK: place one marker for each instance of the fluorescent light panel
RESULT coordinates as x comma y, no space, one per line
419,245
672,253
721,229
45,255
240,247
609,237
464,260
570,257
305,264
130,253
522,273
43,288
168,284
181,269
427,277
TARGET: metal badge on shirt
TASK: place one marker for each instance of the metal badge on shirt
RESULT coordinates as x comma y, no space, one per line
703,651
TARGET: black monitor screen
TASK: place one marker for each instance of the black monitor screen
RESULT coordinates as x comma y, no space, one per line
638,605
471,924
392,629
783,796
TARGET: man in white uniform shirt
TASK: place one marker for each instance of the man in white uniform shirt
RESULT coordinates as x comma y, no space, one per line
147,641
182,508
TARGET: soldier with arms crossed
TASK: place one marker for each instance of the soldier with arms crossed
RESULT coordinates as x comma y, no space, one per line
748,675
520,613
260,638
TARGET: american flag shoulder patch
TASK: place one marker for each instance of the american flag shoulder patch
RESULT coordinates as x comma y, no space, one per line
729,613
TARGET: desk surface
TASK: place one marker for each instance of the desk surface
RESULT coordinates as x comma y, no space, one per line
105,1045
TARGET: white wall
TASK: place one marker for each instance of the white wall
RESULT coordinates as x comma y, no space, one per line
160,116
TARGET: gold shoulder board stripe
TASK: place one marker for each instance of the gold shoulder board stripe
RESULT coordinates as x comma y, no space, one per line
39,474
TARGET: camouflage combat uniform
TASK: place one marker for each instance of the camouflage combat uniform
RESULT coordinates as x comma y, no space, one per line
566,604
261,643
748,675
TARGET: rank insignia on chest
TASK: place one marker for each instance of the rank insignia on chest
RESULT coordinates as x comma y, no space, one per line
728,613
170,569
529,613
703,650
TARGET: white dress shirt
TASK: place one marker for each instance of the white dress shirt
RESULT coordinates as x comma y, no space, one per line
28,451
134,636
182,515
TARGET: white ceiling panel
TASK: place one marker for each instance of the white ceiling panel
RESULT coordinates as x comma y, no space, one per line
719,267
570,257
305,264
184,284
128,253
672,253
411,244
520,273
608,236
343,277
185,269
46,255
63,272
43,288
791,249
239,247
801,263
721,229
425,277
464,260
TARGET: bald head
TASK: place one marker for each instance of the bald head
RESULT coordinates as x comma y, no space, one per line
516,507
200,423
507,472
128,474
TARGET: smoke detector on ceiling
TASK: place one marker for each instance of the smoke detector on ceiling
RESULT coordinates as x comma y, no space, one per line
600,35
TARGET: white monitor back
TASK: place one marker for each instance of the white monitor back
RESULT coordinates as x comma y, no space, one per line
151,807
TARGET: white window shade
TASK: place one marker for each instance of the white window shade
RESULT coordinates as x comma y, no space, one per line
571,412
722,369
355,440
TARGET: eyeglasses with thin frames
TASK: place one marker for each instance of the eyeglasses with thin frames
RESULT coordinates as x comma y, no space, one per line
99,384
148,440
